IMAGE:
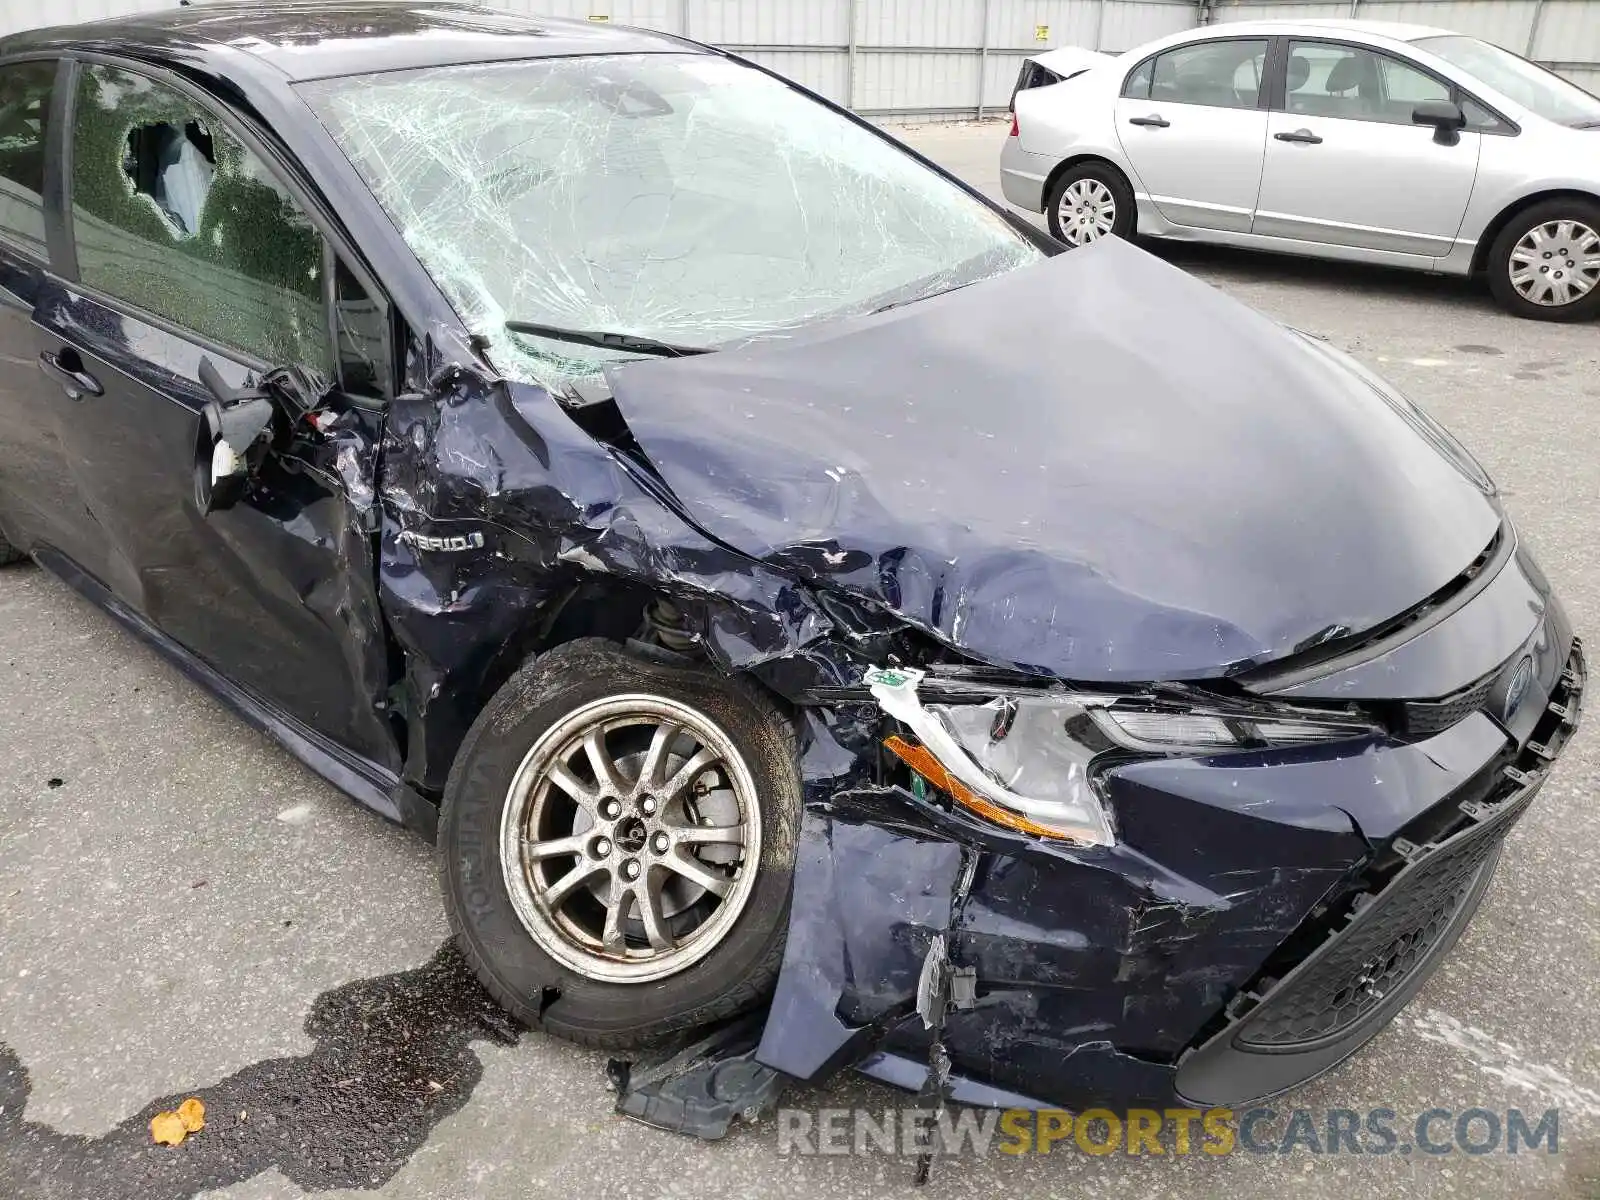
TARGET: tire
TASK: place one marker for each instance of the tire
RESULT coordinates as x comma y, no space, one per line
1095,183
551,965
1571,224
8,553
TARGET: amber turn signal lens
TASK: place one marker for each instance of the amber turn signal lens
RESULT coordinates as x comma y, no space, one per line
922,761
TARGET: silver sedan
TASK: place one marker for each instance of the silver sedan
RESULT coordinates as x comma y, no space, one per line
1358,140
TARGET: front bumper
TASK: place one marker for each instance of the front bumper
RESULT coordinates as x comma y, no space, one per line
1386,941
1260,918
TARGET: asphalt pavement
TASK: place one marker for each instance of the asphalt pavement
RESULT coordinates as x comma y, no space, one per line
186,911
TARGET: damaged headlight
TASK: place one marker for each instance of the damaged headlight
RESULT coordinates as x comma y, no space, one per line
1022,760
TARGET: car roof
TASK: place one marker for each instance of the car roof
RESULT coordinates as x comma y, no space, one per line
1397,31
315,40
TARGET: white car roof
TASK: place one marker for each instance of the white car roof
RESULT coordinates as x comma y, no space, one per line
1394,30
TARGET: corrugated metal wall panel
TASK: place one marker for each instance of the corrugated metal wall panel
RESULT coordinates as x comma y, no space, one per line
999,77
1569,31
651,14
1276,12
743,23
1013,24
1132,24
955,23
30,14
1585,77
820,70
1506,22
889,82
925,54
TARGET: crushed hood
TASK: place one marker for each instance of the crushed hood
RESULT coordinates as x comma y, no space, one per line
1097,467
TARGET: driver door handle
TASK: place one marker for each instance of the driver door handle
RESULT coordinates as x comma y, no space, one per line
1154,121
66,368
1304,136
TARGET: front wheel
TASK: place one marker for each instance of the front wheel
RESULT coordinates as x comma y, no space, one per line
9,553
1545,264
1088,202
617,845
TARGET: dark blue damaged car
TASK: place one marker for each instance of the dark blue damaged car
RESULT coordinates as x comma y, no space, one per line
810,613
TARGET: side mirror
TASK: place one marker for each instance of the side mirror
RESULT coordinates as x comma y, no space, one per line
1446,118
232,436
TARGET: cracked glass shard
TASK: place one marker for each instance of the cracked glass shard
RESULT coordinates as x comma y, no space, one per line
683,198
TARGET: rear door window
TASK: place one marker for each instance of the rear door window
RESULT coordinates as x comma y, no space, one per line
1222,74
172,213
24,129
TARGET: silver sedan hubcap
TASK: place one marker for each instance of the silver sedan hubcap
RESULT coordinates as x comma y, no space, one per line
631,838
1556,263
1087,211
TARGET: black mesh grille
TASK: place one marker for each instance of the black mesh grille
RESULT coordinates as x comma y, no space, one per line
1380,950
1387,934
1435,716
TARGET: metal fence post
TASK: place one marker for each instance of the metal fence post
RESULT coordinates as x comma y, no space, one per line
850,59
1533,28
1099,25
683,17
983,57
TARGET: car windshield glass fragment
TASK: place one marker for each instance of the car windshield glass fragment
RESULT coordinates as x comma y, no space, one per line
680,198
1542,92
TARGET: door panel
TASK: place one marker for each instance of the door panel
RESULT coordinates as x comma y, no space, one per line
277,593
39,503
39,498
1345,165
1203,168
1190,123
190,249
1384,187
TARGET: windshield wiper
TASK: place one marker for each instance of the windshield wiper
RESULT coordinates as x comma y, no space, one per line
920,296
1586,124
601,340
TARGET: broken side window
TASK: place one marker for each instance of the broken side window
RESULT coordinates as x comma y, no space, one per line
174,214
24,128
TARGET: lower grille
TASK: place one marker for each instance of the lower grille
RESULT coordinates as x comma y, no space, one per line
1423,718
1390,933
1386,939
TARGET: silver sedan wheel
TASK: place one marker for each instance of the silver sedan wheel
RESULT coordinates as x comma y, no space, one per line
631,838
1556,263
1087,211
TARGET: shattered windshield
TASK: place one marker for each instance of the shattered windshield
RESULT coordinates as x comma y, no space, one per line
681,198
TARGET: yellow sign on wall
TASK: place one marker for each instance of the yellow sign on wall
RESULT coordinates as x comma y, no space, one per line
599,17
1041,33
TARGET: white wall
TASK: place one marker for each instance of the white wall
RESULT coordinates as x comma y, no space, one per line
952,56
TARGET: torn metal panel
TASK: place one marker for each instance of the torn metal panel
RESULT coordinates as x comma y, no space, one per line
705,1087
498,509
1006,467
1090,966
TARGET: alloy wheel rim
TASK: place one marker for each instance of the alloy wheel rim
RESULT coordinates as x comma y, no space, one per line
1087,212
1556,263
631,838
